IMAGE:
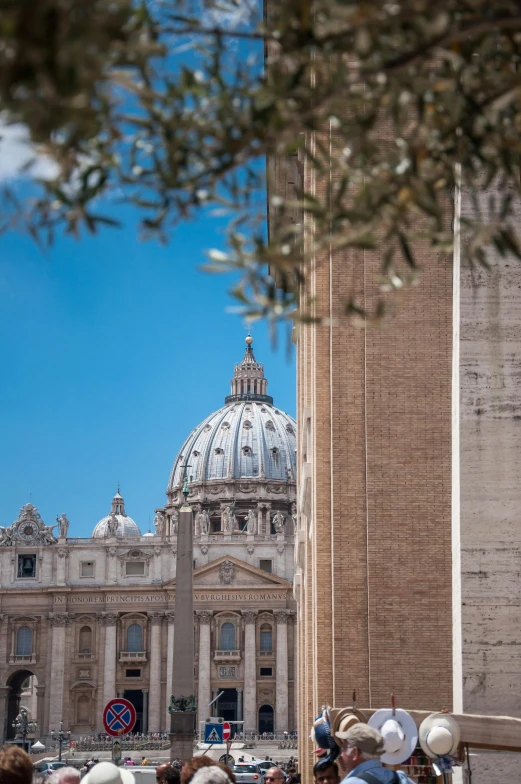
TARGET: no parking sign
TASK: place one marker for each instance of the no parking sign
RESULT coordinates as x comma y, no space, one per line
119,717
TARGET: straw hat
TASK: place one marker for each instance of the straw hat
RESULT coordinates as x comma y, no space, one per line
399,732
346,718
439,735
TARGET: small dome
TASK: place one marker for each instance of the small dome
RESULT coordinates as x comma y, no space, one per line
125,525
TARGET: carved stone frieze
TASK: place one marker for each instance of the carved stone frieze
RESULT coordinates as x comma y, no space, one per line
205,616
170,616
249,616
109,619
60,619
28,528
156,618
63,552
204,549
281,616
135,555
227,573
250,549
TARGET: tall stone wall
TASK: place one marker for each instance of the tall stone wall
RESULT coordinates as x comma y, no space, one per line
490,477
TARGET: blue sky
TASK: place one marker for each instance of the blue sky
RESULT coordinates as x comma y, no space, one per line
111,351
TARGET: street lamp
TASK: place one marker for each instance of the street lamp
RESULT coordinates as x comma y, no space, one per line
61,735
24,726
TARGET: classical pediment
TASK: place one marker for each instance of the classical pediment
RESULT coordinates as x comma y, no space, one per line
230,572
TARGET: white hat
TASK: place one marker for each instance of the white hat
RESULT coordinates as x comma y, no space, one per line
107,773
439,735
399,733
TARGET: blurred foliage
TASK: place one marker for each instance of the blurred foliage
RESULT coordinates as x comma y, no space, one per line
173,107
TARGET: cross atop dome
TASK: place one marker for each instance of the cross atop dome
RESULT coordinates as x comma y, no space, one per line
248,382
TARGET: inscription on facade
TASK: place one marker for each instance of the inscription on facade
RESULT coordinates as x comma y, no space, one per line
109,599
158,598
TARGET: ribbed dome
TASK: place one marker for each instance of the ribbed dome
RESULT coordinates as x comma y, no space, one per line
248,438
125,525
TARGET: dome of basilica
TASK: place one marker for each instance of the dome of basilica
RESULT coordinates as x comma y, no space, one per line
124,525
246,439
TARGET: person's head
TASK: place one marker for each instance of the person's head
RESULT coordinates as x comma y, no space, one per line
192,767
15,766
166,773
65,776
172,776
360,743
326,772
274,776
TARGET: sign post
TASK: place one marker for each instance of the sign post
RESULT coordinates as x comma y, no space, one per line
119,718
213,732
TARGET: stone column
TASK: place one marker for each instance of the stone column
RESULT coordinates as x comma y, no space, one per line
250,672
281,671
169,663
112,565
109,621
61,565
40,706
58,623
154,723
157,568
239,707
145,711
205,664
260,507
4,696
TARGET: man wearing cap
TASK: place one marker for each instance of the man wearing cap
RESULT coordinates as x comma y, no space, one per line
362,747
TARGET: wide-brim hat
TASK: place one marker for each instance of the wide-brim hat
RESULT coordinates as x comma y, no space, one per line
107,773
439,735
399,732
344,720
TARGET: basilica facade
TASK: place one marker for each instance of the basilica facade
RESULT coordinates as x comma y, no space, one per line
88,619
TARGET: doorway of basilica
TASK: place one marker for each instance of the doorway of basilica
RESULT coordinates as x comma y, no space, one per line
227,705
22,693
266,723
135,696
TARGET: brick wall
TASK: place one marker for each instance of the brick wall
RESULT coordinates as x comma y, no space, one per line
375,596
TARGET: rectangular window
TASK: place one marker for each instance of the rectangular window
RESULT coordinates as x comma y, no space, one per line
26,566
87,569
266,565
135,568
266,672
133,673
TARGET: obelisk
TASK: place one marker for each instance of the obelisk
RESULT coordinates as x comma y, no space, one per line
182,702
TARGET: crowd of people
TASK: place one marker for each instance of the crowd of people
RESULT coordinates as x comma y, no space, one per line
358,762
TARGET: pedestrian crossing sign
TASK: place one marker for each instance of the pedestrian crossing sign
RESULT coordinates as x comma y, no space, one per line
213,733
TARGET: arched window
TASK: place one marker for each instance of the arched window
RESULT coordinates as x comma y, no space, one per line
83,712
85,639
227,637
266,638
24,641
135,638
